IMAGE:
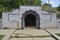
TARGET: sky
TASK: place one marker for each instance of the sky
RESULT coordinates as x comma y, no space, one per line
54,3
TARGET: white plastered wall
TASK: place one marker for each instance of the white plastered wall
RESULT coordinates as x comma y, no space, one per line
6,22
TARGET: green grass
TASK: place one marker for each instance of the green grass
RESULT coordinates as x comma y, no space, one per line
1,36
58,34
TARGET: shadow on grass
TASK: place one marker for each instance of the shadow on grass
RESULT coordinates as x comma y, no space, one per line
1,36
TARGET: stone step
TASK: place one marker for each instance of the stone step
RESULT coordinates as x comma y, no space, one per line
30,33
45,38
17,35
14,36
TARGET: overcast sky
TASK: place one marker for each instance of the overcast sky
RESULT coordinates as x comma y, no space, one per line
54,3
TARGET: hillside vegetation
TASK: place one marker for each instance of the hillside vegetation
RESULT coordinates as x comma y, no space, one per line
8,5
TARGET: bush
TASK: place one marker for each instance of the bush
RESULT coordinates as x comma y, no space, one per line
58,15
49,9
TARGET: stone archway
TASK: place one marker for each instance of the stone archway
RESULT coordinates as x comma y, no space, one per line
33,14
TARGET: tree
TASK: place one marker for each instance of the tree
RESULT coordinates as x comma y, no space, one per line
32,2
58,8
46,4
10,4
37,2
49,8
1,8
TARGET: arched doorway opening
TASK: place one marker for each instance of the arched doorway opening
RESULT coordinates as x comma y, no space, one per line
30,20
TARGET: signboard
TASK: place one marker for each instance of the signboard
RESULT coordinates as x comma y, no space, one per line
13,17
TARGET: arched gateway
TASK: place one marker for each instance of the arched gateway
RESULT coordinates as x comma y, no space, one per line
30,18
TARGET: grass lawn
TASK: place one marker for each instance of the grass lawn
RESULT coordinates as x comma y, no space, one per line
58,34
1,36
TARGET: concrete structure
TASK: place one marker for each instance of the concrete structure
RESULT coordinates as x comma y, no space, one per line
32,16
0,23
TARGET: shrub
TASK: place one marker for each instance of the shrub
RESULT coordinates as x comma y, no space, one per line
49,9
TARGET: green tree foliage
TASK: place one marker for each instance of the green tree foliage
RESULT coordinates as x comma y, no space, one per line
46,4
32,2
9,4
14,3
1,8
28,2
58,11
5,4
58,15
49,8
37,2
58,8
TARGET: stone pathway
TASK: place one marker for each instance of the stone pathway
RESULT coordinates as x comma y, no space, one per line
28,34
31,34
5,31
54,32
46,38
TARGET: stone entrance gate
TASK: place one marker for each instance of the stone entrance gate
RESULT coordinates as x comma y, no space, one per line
20,18
34,18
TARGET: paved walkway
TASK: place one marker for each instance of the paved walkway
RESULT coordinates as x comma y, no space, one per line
28,34
5,31
31,34
55,31
46,38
